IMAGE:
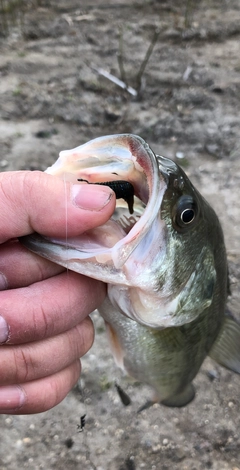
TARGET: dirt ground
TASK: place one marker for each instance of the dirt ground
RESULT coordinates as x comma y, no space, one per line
187,108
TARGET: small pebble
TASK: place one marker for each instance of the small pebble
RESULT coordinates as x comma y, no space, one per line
180,155
8,420
19,444
27,441
212,374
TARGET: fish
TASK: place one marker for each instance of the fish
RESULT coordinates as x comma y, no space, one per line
164,261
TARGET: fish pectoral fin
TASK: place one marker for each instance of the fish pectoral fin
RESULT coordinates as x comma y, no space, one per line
181,399
226,349
115,346
146,405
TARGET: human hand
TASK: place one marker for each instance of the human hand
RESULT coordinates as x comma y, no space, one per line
44,323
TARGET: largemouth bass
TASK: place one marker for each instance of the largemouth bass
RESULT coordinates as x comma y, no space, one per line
163,258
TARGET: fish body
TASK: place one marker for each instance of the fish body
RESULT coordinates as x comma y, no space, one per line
165,265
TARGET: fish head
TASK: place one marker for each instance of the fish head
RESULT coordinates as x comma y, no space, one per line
159,262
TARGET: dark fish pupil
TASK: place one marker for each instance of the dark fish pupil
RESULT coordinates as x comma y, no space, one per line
187,216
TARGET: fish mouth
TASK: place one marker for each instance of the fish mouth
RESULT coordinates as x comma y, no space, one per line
126,245
114,158
111,158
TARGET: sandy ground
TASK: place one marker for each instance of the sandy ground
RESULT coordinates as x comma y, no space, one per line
188,105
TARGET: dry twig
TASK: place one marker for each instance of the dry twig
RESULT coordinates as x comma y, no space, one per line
146,58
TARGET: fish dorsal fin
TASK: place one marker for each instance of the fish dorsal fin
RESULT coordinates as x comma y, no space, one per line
226,349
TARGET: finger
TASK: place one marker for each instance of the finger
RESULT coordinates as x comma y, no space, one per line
43,358
36,201
48,308
39,395
19,267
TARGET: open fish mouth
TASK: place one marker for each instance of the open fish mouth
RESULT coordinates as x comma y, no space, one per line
110,159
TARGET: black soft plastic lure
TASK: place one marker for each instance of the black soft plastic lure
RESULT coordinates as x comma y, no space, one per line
123,189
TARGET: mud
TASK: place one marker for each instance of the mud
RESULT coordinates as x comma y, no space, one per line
187,108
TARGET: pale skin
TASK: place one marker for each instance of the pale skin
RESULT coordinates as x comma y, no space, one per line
44,310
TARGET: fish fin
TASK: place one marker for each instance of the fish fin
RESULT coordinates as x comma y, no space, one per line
115,346
226,349
181,399
125,399
146,405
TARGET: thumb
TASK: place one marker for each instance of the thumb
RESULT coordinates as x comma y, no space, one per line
38,202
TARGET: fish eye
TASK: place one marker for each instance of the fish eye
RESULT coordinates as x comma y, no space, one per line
187,216
185,212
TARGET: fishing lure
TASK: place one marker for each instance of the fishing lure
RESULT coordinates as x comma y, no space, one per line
123,189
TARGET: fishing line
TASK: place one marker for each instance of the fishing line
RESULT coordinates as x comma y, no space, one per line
83,417
66,234
66,215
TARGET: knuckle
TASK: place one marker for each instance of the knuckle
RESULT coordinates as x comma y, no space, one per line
44,394
85,336
23,365
29,183
61,384
43,318
42,325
